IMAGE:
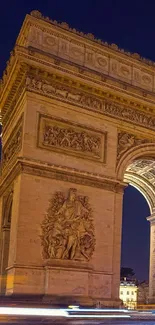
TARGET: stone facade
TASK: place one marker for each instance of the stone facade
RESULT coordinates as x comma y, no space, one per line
75,113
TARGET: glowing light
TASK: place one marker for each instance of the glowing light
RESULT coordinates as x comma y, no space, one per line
18,311
98,310
99,316
73,307
33,312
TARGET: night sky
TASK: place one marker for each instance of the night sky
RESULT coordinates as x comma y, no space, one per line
131,25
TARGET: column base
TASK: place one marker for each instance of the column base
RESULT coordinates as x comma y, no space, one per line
81,301
61,301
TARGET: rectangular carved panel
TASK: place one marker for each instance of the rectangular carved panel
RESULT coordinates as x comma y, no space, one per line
13,144
71,138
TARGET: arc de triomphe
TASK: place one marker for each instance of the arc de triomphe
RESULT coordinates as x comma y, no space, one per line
78,126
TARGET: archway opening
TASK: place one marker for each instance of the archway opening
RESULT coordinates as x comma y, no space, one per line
135,233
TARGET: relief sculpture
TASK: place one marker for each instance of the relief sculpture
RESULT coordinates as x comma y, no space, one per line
88,101
126,141
13,145
64,92
68,138
68,231
71,138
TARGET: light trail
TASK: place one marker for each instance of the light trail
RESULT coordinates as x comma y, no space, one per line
33,312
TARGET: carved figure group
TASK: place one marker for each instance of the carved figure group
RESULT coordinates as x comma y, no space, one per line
68,138
81,98
129,114
13,148
67,231
126,141
65,93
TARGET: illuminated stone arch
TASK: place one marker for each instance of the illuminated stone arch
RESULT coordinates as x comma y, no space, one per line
142,186
137,168
146,151
7,209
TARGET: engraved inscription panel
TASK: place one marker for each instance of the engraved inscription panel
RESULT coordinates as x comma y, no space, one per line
73,139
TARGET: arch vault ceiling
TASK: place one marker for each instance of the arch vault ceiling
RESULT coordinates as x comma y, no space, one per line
141,174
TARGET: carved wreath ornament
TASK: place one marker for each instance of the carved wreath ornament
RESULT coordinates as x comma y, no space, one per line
67,230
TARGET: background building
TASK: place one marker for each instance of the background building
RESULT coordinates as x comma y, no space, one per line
128,293
143,293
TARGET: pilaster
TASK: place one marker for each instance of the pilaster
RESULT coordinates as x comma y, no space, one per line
151,219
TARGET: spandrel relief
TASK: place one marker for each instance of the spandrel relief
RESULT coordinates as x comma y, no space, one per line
68,230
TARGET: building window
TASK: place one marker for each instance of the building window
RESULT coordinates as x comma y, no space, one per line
127,293
121,292
132,293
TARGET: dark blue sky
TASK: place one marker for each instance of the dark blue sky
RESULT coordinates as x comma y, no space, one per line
131,25
135,233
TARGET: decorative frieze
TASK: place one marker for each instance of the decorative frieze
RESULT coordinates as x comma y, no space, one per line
130,115
70,138
70,92
88,101
64,92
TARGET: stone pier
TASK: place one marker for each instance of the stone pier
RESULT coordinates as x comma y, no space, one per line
74,119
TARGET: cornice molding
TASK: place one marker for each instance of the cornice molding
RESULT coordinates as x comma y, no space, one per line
80,97
112,86
62,173
29,57
52,85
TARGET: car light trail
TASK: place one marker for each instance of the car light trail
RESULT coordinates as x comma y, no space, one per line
98,316
70,313
33,312
78,310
